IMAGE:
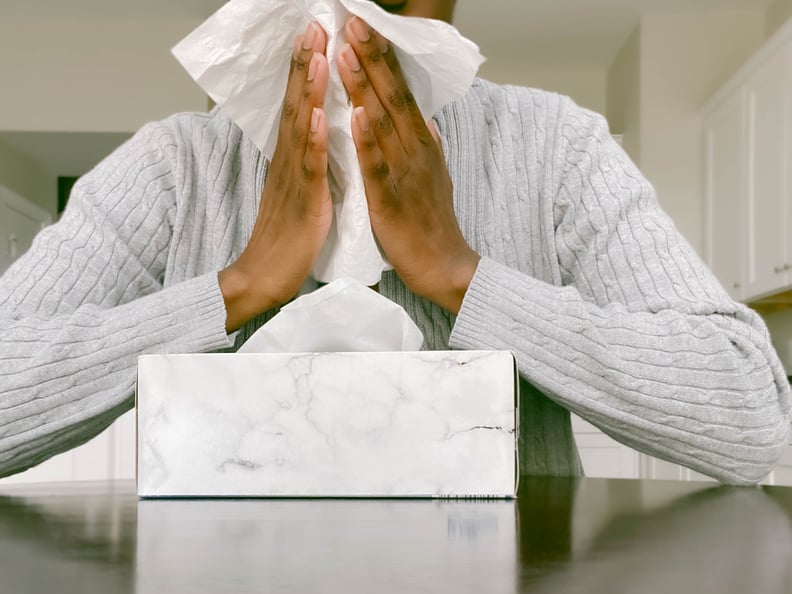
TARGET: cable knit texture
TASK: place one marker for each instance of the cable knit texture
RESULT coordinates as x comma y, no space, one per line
609,312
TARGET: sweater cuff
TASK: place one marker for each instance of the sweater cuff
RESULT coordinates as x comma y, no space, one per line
492,291
198,315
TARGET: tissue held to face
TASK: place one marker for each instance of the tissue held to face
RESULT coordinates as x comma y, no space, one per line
408,190
433,9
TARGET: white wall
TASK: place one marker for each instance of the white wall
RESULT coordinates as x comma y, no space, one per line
684,59
656,85
624,95
586,86
92,75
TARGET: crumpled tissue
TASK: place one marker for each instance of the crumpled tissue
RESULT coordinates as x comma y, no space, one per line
342,316
240,56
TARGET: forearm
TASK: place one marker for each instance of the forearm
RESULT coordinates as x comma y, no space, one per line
59,374
701,388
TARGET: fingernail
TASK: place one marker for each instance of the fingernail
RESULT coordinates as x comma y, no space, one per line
360,116
350,57
310,36
297,45
382,43
315,115
312,66
360,29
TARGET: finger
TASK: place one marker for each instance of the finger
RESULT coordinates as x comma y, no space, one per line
312,97
371,84
420,127
314,168
398,75
380,189
362,94
313,41
392,89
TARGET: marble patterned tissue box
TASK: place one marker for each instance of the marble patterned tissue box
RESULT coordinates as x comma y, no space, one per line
399,424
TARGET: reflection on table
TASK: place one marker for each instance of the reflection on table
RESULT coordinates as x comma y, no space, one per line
561,535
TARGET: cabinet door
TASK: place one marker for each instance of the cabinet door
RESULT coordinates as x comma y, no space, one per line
786,166
726,187
782,475
768,99
20,221
601,456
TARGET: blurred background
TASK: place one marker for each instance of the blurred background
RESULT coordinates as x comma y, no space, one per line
80,76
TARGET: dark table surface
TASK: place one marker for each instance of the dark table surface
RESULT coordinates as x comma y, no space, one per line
560,535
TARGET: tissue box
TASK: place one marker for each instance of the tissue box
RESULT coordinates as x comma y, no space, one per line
396,424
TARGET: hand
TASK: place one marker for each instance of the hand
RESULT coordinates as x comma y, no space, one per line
409,191
295,210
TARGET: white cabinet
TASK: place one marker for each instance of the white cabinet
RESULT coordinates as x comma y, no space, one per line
601,456
748,190
109,455
768,117
782,475
748,140
725,133
20,221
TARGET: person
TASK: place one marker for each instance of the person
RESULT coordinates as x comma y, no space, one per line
521,226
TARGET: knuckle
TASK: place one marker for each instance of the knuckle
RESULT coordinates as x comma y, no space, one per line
380,170
397,101
289,109
369,144
374,55
308,172
298,136
299,62
409,101
363,83
385,124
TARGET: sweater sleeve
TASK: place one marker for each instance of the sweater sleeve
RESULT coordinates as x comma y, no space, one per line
87,298
639,339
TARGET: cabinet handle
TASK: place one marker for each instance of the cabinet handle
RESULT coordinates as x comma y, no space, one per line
787,266
737,285
779,269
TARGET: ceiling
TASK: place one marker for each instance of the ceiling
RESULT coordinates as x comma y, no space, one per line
556,33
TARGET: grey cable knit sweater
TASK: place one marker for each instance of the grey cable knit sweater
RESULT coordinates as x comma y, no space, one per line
608,310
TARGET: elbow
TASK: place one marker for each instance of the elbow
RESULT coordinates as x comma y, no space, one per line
756,458
761,431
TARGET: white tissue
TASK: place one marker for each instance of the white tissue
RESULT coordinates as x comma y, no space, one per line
240,56
343,316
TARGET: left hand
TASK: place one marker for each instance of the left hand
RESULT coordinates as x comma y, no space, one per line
409,191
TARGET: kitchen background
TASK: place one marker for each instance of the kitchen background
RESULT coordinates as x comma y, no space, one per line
673,78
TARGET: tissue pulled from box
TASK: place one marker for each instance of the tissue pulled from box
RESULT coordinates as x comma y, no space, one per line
240,56
343,316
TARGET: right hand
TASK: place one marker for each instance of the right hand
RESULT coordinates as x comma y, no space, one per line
296,210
